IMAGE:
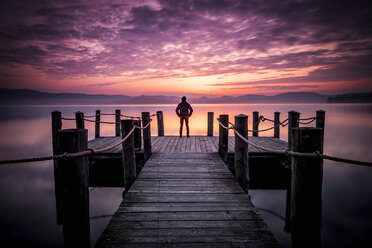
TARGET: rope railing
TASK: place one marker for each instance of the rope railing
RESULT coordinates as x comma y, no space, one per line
74,155
68,119
310,120
103,122
219,121
289,152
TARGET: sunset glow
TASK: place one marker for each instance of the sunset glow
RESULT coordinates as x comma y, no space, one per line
186,47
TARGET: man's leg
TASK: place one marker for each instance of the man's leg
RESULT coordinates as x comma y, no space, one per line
181,125
187,126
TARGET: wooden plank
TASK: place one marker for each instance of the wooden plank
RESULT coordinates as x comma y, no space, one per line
186,200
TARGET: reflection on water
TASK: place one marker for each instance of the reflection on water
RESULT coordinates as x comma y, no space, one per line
27,190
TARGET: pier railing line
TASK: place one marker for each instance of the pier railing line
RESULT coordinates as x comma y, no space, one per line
77,154
289,152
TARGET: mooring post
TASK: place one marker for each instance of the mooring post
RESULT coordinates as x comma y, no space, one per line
159,115
210,123
293,121
256,122
320,122
277,125
241,151
146,135
129,160
117,122
137,135
223,138
75,188
56,126
79,116
307,178
98,120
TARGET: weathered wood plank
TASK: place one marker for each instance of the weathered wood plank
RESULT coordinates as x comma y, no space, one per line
186,200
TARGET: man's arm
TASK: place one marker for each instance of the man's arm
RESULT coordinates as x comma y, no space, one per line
178,110
191,110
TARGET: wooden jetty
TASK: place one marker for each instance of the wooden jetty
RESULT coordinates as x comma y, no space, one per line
189,192
186,200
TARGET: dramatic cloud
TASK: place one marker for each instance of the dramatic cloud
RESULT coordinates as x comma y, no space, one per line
178,42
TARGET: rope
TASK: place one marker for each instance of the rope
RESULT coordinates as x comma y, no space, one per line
227,128
262,118
303,154
148,124
305,123
103,122
69,155
132,117
68,119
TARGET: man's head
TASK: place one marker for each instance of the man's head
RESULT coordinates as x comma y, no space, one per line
183,98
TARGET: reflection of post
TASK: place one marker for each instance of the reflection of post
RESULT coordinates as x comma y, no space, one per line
223,138
293,118
137,135
307,177
79,116
75,193
146,135
241,151
210,123
129,161
98,120
159,115
117,122
56,126
256,122
277,125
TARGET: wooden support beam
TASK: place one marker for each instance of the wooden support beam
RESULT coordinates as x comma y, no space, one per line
210,123
223,138
117,122
256,122
277,125
159,115
137,135
147,148
75,188
293,118
98,120
129,160
56,126
241,151
79,116
320,122
306,193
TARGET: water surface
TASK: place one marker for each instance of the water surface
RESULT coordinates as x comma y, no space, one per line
27,206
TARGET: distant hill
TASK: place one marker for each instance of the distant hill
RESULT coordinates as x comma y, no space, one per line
33,97
291,97
351,98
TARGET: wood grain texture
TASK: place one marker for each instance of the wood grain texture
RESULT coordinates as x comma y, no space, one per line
186,200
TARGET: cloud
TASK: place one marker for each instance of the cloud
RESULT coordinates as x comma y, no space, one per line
166,38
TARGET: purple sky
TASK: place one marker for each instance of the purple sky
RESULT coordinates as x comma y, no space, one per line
172,47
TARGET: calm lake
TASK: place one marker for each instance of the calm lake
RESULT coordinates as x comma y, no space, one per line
27,203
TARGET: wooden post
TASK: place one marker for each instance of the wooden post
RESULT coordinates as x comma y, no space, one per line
256,121
98,119
159,115
241,151
146,136
277,125
307,177
210,123
79,116
320,122
117,122
75,188
293,118
56,126
137,135
223,138
129,160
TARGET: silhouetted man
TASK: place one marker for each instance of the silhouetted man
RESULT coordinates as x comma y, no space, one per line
184,111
